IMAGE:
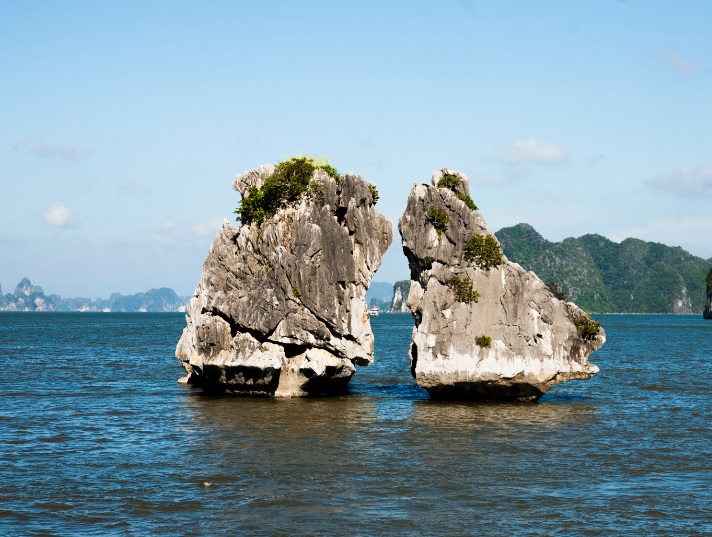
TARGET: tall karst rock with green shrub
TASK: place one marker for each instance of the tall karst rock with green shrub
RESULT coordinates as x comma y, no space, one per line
399,303
485,328
280,309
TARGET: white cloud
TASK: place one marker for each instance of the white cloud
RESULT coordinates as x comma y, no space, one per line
532,151
59,215
682,65
692,234
695,181
43,148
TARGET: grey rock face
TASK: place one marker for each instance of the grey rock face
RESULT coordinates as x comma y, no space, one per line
534,341
280,309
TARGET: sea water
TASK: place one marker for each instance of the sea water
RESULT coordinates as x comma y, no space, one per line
98,438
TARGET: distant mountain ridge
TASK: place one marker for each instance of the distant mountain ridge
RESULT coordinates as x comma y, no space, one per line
28,297
603,276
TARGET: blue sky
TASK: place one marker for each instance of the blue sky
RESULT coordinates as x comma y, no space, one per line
124,123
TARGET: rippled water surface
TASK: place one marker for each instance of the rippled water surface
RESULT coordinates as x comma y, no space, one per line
97,438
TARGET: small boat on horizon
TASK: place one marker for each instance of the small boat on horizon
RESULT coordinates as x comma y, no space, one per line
374,311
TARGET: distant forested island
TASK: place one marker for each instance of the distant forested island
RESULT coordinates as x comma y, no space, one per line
28,297
603,276
599,275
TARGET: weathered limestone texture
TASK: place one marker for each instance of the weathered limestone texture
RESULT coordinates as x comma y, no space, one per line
280,309
707,314
493,333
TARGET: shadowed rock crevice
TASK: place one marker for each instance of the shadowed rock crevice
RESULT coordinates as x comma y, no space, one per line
280,309
485,329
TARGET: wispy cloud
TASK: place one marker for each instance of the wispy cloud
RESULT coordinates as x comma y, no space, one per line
41,147
532,151
695,181
128,187
682,65
595,160
181,234
58,215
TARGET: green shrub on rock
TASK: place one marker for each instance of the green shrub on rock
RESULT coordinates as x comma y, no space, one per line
587,328
451,182
468,201
484,341
438,218
291,179
374,192
462,287
483,251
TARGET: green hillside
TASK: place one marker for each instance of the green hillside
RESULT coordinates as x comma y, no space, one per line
604,276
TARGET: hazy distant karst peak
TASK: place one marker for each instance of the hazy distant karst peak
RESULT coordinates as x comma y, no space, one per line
25,288
280,309
485,328
28,297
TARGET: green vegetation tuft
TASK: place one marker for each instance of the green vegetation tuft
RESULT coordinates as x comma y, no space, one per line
374,192
483,251
462,287
709,282
587,328
468,201
557,291
484,341
289,182
295,292
438,218
449,181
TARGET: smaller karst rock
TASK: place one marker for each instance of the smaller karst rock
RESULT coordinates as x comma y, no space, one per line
280,309
399,303
707,314
485,328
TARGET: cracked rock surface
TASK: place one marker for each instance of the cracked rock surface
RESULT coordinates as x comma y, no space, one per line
280,309
534,341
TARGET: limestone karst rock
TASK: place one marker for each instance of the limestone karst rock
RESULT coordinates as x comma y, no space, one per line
485,328
399,303
280,309
27,297
707,313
